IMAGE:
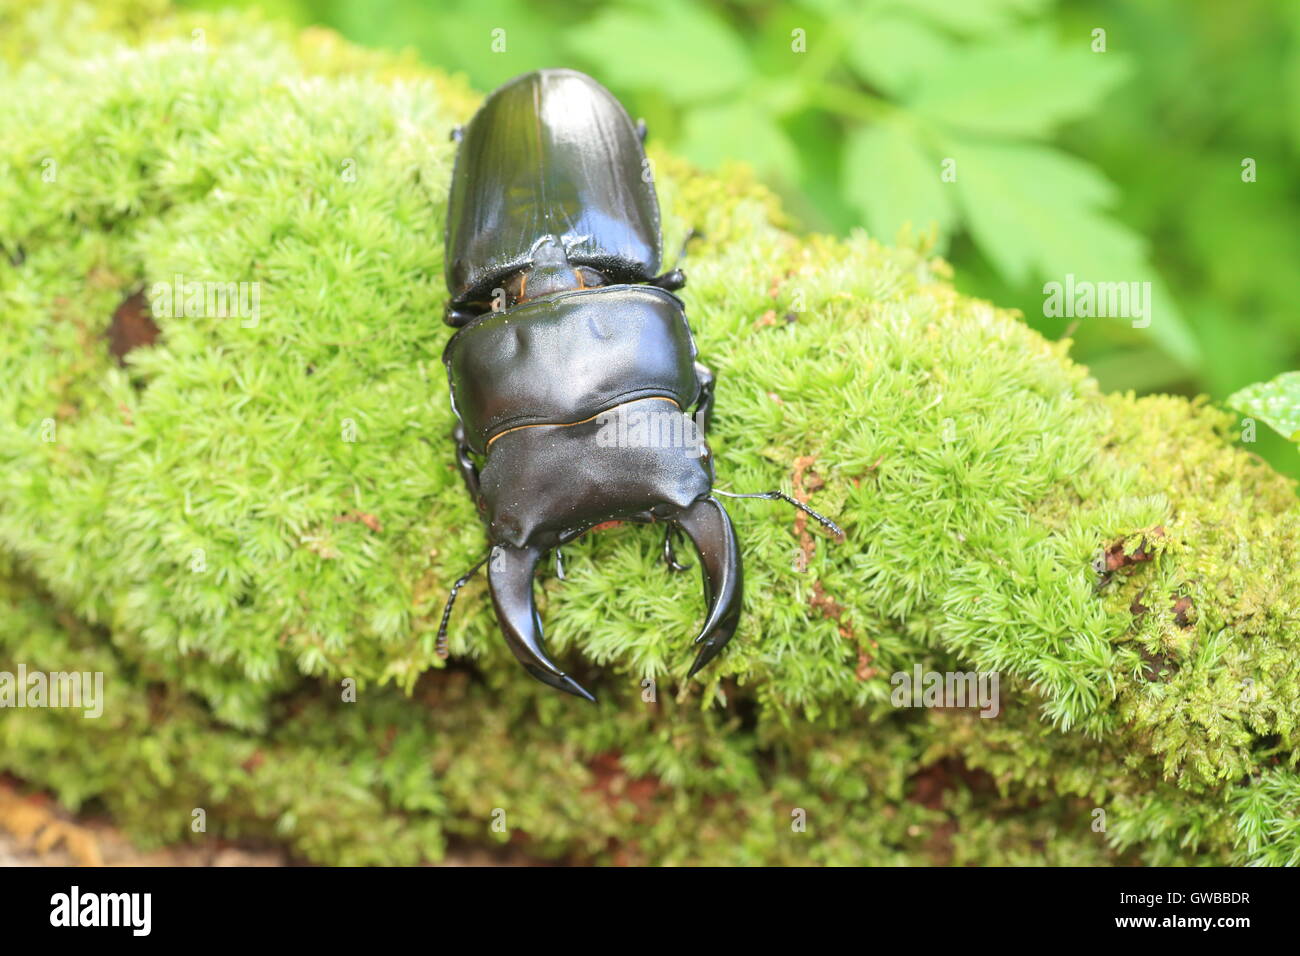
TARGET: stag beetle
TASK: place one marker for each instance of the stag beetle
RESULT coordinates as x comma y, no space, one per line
564,329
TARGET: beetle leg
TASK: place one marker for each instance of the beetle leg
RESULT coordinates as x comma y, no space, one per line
457,134
707,525
468,470
675,278
670,558
510,579
704,406
670,281
641,130
456,317
559,564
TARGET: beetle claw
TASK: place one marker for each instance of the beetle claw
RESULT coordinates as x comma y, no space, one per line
510,579
708,526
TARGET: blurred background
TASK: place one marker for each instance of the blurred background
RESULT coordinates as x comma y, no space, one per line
1101,138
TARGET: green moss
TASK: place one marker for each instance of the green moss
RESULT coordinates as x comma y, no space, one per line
201,528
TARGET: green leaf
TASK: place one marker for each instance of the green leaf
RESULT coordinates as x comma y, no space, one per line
1276,402
1031,208
892,179
742,131
462,37
1025,85
971,17
1033,211
674,47
893,52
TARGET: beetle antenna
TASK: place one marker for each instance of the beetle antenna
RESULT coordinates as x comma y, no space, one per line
824,521
691,233
451,602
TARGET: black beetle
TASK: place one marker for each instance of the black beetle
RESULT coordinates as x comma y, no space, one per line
573,372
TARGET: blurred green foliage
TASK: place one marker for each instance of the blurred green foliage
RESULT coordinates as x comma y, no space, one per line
1115,157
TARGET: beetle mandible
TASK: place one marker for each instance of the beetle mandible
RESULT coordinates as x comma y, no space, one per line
566,331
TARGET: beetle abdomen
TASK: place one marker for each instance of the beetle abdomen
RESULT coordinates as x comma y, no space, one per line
566,358
550,154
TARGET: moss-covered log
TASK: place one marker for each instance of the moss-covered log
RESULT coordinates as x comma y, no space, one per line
240,518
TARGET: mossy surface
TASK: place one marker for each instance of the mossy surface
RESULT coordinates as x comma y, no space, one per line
245,514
